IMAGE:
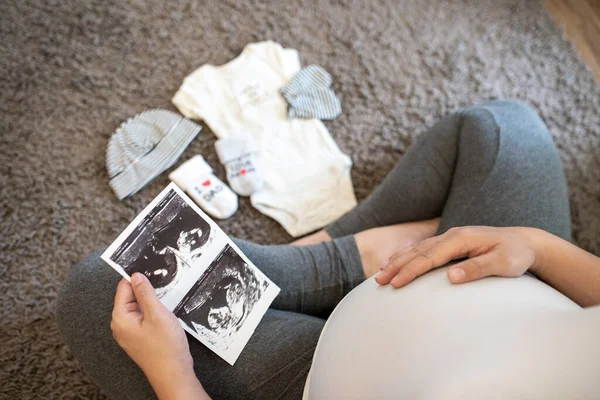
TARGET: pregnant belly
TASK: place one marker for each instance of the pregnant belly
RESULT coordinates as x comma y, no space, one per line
427,337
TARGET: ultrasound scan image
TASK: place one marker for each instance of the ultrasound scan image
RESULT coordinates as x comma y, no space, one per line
171,237
221,300
197,272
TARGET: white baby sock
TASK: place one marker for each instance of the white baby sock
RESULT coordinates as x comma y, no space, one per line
238,155
196,178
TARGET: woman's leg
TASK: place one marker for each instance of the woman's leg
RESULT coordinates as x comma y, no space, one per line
274,363
493,164
313,279
523,183
276,360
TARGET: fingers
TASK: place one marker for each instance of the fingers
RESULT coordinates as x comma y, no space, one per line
408,264
473,269
144,292
124,294
126,308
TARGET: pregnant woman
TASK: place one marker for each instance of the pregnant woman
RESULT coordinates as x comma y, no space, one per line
454,279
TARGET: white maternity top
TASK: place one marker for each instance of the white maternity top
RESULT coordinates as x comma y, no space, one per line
496,338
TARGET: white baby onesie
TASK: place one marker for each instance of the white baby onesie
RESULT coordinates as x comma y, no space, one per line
307,181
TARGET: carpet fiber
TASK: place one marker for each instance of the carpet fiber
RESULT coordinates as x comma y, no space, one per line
72,71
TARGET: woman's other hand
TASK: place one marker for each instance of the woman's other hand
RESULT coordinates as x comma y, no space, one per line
153,337
507,252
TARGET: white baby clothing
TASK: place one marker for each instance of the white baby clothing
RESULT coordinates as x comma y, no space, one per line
307,181
196,178
239,156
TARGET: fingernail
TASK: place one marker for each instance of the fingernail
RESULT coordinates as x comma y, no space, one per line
137,278
457,274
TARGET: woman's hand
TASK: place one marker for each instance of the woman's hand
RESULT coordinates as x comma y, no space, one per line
507,252
153,337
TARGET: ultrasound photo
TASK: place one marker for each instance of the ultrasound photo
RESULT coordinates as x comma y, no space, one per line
220,301
165,244
196,270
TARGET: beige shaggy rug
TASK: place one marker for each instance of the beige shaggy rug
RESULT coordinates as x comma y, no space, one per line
72,71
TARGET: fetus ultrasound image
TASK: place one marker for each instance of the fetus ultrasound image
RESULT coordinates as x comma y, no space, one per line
165,243
221,300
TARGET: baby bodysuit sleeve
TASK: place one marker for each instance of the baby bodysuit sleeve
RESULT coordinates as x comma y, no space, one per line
286,61
193,99
200,97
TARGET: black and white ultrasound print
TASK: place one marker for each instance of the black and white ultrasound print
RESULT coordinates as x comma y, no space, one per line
197,272
165,244
220,301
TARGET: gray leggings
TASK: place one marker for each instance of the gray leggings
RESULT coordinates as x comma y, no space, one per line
493,164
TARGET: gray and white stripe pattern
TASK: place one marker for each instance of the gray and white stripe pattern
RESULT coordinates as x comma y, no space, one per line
309,95
144,146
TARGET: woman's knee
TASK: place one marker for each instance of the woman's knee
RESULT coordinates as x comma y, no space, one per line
510,127
514,108
88,289
513,120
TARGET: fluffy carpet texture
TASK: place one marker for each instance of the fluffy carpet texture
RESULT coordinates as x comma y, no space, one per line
72,71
